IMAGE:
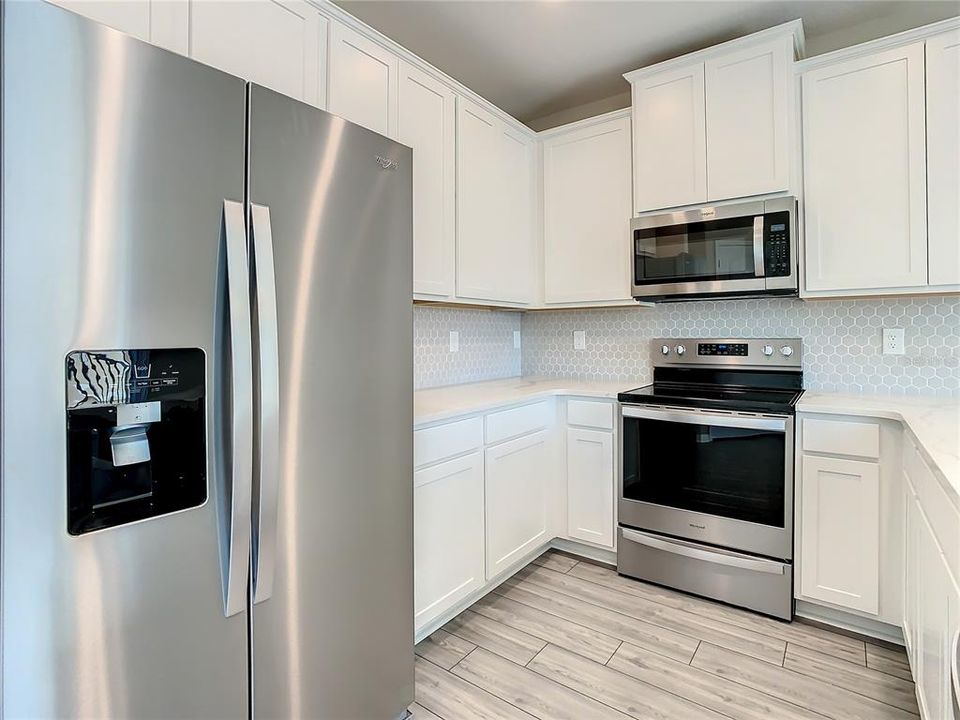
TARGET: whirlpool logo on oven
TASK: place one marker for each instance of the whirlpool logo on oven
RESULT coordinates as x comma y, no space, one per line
387,163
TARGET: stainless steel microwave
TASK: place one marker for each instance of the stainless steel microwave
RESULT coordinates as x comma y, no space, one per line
735,250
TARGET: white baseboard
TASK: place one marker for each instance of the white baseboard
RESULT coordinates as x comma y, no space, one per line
848,621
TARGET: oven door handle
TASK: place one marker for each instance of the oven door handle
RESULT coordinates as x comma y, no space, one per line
717,557
699,417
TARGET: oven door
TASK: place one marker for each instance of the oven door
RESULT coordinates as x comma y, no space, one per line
714,477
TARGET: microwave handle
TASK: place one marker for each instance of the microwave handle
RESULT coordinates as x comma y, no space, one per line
759,267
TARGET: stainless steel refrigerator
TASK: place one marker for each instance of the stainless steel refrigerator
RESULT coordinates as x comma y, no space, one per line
206,391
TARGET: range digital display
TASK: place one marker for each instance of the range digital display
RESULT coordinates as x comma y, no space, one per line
728,349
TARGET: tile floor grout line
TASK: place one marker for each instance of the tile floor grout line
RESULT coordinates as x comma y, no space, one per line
733,624
695,651
490,650
607,663
649,622
494,695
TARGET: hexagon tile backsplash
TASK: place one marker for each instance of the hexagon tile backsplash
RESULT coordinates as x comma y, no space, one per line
486,345
841,340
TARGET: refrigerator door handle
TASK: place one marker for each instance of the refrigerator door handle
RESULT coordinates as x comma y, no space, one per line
241,404
268,464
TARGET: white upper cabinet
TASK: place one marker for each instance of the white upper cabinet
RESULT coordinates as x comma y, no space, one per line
279,44
747,120
427,123
715,124
161,22
669,139
586,212
865,172
495,205
363,84
943,157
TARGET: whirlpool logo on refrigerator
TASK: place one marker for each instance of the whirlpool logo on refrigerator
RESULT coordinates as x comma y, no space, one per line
387,163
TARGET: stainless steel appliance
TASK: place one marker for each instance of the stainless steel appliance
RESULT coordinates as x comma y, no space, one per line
206,391
734,250
706,490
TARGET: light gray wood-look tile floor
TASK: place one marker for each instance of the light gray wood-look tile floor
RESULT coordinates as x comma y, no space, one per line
569,640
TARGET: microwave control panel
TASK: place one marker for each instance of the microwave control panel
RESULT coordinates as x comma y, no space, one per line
776,245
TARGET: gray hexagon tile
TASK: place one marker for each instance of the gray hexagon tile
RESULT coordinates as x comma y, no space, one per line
842,340
486,345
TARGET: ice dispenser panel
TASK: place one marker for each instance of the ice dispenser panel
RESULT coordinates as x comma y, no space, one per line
136,428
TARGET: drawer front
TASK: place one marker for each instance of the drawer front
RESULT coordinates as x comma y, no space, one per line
841,437
591,414
518,421
942,514
443,441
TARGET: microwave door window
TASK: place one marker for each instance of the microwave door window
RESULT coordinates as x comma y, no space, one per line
720,250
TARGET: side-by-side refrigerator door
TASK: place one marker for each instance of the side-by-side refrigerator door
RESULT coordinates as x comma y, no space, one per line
126,377
333,589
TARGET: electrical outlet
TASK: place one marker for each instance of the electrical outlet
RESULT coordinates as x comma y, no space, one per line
454,341
893,341
516,339
579,340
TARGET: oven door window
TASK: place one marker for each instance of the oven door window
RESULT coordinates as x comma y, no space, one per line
729,472
695,252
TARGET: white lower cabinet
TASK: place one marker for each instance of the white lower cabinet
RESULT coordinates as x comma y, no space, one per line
590,486
840,532
516,499
448,534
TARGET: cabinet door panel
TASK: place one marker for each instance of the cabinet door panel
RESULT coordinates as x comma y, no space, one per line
943,158
427,122
162,22
865,172
669,139
840,532
515,499
516,197
274,43
590,482
747,105
448,535
586,197
363,81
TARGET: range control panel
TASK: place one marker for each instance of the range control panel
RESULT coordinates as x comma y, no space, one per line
751,353
723,349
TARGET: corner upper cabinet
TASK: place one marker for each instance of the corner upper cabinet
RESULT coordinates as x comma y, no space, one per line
748,93
363,80
669,138
864,162
586,212
495,207
280,44
427,123
943,157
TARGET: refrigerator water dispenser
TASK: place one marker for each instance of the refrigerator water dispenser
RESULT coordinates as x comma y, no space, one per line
136,428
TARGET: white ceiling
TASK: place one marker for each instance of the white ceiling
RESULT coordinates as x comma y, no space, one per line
535,58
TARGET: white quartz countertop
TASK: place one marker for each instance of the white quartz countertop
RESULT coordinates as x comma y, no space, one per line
933,422
447,402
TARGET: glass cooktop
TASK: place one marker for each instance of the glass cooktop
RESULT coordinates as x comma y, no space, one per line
716,397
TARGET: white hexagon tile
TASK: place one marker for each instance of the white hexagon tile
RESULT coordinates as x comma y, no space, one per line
841,340
486,345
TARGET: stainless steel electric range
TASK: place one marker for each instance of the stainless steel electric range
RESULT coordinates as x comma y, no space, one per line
706,484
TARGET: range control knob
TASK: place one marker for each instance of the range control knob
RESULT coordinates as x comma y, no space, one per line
664,349
786,351
767,350
679,349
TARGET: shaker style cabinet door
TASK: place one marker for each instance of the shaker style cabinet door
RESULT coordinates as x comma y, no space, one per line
427,123
669,139
515,499
448,534
943,157
747,124
275,43
586,213
865,173
495,206
363,81
839,549
590,483
162,22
